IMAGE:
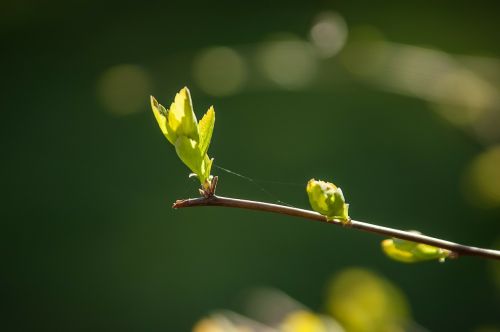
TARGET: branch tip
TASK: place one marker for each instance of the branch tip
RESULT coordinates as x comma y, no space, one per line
178,203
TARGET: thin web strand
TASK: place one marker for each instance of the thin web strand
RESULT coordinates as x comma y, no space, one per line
260,187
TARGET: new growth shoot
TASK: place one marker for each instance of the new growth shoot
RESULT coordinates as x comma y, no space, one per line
190,138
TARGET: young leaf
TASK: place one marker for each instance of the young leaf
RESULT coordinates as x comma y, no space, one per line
187,150
206,167
328,200
161,117
206,128
181,116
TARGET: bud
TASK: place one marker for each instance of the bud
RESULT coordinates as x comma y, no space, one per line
412,252
190,138
328,200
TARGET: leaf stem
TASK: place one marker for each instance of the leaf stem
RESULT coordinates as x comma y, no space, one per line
455,248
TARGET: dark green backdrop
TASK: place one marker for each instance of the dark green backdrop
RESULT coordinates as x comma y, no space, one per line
88,238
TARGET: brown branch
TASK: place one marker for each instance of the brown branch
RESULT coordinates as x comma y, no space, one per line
455,248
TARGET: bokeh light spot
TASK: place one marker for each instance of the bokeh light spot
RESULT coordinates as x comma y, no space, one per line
482,179
124,89
328,34
363,301
461,95
487,328
208,325
306,321
220,71
291,64
366,59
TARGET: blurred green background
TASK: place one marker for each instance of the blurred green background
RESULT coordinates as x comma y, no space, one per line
399,104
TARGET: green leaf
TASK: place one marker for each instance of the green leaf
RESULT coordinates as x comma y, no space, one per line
181,117
188,152
206,128
206,168
161,117
412,252
328,200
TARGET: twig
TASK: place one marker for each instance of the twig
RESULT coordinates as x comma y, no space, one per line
455,248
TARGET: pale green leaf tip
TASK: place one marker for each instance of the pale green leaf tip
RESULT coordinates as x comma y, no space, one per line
206,127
